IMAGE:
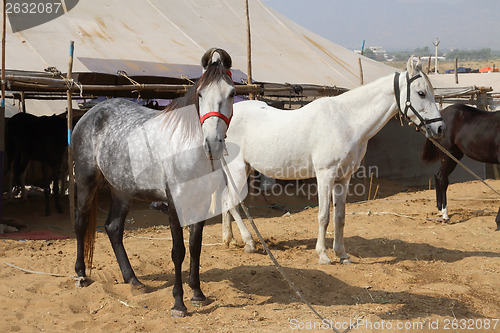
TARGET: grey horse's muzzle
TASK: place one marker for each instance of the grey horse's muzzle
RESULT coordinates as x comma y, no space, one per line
214,149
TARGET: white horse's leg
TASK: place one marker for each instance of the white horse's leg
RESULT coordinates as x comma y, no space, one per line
340,193
324,198
230,201
245,234
227,229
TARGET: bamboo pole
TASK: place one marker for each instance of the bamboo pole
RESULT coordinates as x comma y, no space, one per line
2,112
22,100
70,129
249,50
360,72
375,195
370,188
45,85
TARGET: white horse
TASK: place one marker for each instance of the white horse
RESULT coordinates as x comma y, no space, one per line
326,139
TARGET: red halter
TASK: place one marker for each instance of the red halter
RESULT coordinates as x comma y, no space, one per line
216,113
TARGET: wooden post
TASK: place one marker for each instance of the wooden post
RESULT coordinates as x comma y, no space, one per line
360,72
249,50
456,70
2,113
249,74
23,102
376,191
71,187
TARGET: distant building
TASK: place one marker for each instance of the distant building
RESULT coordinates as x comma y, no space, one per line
379,52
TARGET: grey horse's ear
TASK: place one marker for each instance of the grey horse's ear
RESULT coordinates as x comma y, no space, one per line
215,55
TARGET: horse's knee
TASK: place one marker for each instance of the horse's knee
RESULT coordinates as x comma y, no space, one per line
178,253
114,232
323,219
340,222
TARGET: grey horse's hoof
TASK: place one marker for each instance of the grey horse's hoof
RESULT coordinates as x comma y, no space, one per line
345,261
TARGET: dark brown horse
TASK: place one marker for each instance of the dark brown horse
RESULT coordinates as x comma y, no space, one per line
471,132
31,138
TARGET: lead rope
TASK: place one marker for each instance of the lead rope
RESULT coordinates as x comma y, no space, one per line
450,155
276,264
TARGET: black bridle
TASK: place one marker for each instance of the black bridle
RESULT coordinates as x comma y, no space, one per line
408,104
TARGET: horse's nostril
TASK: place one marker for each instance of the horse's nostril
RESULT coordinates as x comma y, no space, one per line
440,130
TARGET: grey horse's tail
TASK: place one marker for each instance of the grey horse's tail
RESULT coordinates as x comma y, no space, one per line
89,239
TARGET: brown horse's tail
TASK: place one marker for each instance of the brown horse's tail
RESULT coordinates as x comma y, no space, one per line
89,239
430,152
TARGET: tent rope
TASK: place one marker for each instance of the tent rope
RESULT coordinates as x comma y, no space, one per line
184,77
134,82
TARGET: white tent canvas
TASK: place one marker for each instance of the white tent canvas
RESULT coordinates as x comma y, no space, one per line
166,33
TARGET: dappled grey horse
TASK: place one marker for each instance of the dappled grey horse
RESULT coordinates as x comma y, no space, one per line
140,153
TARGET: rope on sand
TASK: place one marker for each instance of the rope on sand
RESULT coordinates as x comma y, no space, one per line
36,272
273,259
381,213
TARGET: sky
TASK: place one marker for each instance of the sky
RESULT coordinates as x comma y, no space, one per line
399,25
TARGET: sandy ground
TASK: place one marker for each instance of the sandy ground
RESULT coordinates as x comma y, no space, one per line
410,273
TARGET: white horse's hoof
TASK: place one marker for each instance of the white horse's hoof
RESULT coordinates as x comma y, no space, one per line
324,260
250,248
230,242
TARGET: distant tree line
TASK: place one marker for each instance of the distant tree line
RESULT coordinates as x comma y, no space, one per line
482,54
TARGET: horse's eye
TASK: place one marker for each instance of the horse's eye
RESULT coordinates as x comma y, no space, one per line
232,94
199,95
421,94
